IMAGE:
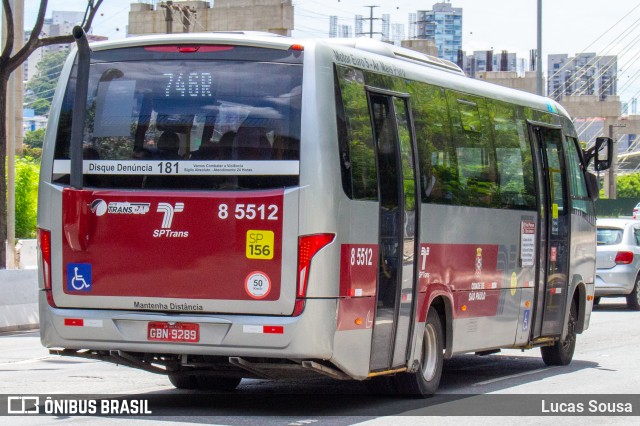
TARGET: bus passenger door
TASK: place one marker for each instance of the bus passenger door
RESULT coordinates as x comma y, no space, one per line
554,225
399,202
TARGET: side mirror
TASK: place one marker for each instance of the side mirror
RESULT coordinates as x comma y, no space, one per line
602,152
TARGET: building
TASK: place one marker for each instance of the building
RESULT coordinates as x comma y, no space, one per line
585,74
428,47
443,24
61,23
397,34
359,25
274,16
488,61
527,82
333,26
413,26
31,121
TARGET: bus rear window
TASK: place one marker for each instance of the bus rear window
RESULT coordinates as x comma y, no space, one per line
186,124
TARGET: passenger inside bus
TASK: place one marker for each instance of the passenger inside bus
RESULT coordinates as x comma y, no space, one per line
221,150
168,146
251,143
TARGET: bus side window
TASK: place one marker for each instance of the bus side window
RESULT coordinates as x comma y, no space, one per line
433,137
579,195
513,156
357,153
478,181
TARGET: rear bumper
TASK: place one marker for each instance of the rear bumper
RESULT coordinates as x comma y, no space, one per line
617,281
308,336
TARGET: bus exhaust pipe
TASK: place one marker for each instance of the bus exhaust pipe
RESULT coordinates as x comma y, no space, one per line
79,113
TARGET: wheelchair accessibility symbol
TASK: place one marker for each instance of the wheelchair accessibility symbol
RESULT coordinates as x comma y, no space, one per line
79,277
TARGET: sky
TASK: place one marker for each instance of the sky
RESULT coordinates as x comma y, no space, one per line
569,26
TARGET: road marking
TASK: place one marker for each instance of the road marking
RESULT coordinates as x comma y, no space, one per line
486,382
27,361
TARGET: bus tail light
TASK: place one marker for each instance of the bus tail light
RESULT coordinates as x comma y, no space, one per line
624,257
181,48
44,245
308,246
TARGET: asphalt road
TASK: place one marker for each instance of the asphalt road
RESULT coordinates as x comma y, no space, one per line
605,362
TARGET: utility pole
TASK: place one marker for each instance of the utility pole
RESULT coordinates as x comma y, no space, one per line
371,19
539,90
611,187
168,16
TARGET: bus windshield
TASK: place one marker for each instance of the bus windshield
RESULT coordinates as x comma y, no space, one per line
192,124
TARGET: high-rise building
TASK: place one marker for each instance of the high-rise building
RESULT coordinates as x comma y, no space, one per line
443,24
333,26
585,74
413,20
358,25
386,26
397,34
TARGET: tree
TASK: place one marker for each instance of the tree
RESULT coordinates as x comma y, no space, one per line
32,144
34,138
41,87
9,61
628,186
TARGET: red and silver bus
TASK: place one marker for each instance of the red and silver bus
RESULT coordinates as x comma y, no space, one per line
223,206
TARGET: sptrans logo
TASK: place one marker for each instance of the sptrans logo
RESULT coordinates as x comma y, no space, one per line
167,221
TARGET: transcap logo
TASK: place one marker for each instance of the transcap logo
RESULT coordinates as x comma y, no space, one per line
167,221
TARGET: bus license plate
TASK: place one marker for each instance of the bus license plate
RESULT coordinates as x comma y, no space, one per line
183,332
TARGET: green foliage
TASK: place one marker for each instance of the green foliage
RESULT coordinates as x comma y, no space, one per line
42,86
628,186
27,173
34,139
41,106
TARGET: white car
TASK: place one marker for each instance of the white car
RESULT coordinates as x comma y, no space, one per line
635,211
618,260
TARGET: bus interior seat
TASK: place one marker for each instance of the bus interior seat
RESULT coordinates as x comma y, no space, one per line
251,143
285,148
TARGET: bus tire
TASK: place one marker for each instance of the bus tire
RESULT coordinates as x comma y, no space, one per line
222,384
381,386
425,381
633,299
183,381
561,353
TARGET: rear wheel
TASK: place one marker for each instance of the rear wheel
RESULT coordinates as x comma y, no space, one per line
213,383
382,385
183,381
209,383
561,353
425,381
633,299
